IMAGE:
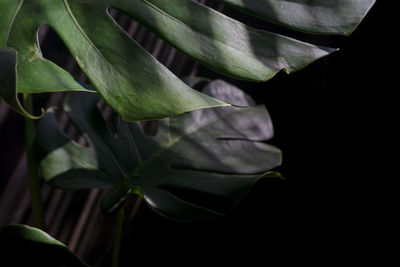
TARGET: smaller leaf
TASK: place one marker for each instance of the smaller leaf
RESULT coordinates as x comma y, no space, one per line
22,245
182,170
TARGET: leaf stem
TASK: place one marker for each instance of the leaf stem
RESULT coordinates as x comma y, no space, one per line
33,176
117,238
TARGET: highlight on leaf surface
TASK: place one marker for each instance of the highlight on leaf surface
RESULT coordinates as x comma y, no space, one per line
339,17
133,82
211,154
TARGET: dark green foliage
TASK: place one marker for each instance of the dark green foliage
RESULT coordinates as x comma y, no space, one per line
134,83
218,152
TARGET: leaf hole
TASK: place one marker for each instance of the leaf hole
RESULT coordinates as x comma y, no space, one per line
149,127
177,62
54,49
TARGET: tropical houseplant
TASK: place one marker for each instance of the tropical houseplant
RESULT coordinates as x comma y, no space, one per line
134,84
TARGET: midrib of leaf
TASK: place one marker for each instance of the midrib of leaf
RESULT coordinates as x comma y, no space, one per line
82,31
69,11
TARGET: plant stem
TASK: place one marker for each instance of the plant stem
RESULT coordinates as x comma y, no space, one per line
117,238
34,182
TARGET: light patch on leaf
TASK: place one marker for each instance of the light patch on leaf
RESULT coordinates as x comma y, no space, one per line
36,53
80,62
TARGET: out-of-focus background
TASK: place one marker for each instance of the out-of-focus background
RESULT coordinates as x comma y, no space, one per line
327,119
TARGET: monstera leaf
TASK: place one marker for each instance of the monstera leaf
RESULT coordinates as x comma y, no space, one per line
135,84
22,245
312,16
216,152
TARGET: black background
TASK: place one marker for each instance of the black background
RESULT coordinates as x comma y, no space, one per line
329,122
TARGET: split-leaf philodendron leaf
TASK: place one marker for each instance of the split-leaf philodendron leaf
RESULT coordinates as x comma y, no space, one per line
217,152
22,245
311,16
134,83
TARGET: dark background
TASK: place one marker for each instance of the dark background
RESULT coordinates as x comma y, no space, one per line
329,121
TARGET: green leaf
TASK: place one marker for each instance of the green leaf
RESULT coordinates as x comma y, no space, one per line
312,16
22,245
221,43
8,88
134,83
128,77
214,154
